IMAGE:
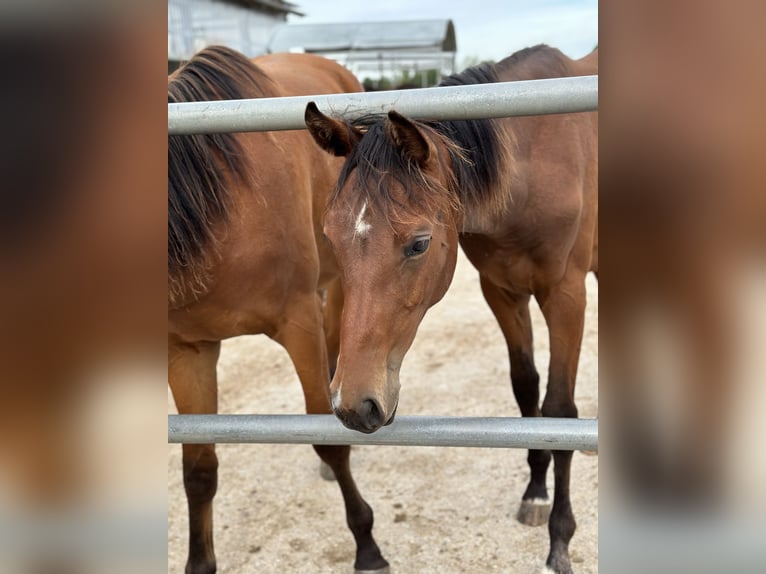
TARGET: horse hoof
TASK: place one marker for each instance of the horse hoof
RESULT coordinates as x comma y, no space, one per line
590,452
206,567
534,512
326,472
562,569
384,570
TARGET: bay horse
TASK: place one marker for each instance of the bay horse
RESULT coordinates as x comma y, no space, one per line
246,256
520,197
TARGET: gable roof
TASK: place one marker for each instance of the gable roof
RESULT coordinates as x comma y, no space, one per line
269,5
416,35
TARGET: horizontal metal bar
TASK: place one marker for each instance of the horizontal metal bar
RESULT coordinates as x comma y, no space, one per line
477,101
492,432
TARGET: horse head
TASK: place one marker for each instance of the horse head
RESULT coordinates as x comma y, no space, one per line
392,223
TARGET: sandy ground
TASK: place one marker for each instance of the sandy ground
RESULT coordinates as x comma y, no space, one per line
445,510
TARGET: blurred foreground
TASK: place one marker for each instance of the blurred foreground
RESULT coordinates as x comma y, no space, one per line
683,285
82,288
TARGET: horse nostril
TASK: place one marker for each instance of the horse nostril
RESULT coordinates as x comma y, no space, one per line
371,414
367,418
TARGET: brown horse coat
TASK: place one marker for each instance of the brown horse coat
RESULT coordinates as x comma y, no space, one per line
246,256
520,196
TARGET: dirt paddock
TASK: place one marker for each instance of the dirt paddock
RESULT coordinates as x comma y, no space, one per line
437,510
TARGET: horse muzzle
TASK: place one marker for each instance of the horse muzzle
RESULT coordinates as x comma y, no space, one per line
367,417
365,408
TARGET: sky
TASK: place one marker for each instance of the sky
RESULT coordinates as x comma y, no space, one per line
487,29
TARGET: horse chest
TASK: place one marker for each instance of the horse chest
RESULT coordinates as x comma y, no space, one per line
515,266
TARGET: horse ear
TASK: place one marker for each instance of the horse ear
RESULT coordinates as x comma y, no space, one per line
408,138
333,136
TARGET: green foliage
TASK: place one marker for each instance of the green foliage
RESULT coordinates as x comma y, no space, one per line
405,79
383,83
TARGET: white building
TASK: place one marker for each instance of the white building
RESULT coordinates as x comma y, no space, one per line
375,48
245,25
255,27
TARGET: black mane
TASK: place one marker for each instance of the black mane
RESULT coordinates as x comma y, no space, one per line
480,152
477,173
202,168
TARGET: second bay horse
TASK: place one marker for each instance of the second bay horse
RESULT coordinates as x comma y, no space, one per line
520,196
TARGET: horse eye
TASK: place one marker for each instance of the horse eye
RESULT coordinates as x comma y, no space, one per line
418,246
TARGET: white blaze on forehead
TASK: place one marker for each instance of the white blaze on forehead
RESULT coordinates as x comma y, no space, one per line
361,227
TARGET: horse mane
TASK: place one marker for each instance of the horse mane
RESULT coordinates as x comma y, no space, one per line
203,169
480,152
479,167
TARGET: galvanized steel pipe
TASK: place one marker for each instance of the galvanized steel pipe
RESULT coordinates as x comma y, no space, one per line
491,432
476,101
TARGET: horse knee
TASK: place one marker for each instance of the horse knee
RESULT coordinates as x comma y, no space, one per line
526,390
201,477
525,382
559,408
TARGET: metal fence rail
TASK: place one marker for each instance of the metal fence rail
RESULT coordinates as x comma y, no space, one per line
492,432
472,102
504,99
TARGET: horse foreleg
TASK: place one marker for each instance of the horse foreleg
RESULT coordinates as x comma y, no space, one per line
302,336
333,307
512,314
564,309
192,378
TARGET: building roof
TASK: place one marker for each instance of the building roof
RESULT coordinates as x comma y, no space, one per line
269,5
414,35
